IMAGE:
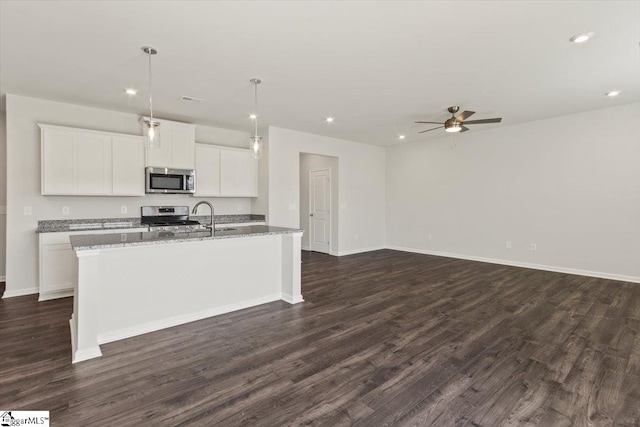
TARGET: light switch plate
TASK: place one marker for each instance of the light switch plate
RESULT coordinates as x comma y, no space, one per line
292,206
28,211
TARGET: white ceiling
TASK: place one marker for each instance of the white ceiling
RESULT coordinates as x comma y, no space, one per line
375,66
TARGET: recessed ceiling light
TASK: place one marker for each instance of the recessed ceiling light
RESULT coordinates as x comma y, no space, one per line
581,38
131,91
613,93
329,119
253,116
401,137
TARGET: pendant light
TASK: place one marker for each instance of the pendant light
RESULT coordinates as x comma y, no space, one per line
256,141
151,126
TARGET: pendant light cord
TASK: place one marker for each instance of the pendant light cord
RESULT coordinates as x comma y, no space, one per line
256,108
150,97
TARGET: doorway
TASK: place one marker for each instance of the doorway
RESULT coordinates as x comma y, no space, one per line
318,202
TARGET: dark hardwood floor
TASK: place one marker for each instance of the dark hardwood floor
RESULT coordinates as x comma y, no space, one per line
384,338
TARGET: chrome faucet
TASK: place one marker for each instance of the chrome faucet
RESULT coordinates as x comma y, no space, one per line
195,208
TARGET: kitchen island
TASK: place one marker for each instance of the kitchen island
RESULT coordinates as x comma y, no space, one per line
127,284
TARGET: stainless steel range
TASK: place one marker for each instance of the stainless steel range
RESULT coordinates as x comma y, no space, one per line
169,218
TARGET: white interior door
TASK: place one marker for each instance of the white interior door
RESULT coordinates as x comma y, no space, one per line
320,210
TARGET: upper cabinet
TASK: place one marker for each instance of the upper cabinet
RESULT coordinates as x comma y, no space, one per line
177,146
225,172
90,163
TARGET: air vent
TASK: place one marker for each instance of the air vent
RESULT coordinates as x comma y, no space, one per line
192,99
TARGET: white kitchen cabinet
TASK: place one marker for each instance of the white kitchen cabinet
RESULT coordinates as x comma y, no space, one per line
83,162
56,261
207,171
127,172
93,163
238,174
58,161
177,146
225,172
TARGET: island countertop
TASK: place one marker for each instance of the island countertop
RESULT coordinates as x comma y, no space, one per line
120,240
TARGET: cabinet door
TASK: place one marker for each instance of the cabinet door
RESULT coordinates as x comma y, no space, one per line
93,163
238,174
183,146
57,161
56,266
247,175
127,166
207,171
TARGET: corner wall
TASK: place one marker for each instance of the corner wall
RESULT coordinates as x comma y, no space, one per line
570,185
23,180
361,216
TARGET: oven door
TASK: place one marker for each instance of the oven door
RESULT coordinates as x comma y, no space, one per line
169,181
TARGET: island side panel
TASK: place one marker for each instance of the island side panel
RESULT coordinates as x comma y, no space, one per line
147,288
291,268
84,333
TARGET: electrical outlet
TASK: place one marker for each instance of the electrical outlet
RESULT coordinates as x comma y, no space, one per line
429,237
533,247
123,209
356,237
292,206
28,211
65,210
508,244
239,207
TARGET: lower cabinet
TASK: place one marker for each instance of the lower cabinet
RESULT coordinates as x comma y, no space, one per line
56,262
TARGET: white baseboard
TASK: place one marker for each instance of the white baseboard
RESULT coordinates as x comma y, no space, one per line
291,299
361,250
19,292
46,296
555,269
304,248
156,325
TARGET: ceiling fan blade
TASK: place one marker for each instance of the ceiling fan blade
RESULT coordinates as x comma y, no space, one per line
464,129
433,123
462,116
423,131
477,122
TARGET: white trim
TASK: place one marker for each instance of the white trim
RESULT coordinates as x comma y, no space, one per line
598,274
20,292
46,296
361,250
305,248
86,354
157,325
290,299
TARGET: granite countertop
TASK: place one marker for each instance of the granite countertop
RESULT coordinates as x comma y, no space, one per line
120,240
67,225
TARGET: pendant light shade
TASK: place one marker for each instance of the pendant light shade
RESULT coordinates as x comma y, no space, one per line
255,141
151,126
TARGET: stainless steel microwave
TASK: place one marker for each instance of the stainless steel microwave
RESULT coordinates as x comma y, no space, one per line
170,181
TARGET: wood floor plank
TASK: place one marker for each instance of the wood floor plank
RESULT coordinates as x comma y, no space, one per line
383,338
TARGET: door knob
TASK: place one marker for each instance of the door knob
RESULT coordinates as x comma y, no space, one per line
310,214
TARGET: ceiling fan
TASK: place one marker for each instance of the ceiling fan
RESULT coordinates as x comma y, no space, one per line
457,123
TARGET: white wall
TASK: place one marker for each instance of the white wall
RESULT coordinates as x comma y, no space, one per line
3,194
570,185
23,179
361,186
309,162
